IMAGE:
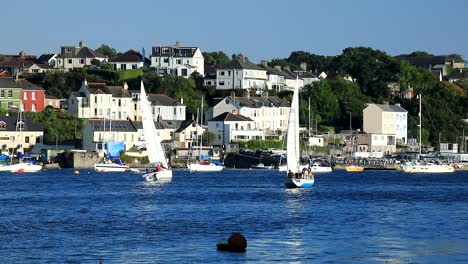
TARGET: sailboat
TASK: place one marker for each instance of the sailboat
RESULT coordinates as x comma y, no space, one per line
206,164
112,162
156,155
428,167
353,167
25,164
294,177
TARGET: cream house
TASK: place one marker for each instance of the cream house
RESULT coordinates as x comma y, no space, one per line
11,137
386,119
240,73
188,134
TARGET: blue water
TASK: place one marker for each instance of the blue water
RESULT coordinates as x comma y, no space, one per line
371,217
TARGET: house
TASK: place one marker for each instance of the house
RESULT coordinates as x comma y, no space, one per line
275,77
11,137
437,64
387,120
240,73
16,93
457,75
78,57
269,113
49,59
177,60
37,68
52,101
162,106
292,79
98,100
16,64
375,143
231,127
130,60
210,75
188,134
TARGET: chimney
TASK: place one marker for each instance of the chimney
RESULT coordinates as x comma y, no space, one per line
278,67
264,63
22,54
304,66
125,86
81,44
398,104
181,100
241,57
287,68
177,44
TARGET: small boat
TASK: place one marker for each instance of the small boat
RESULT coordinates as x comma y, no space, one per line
113,162
25,167
320,167
261,166
205,167
295,178
110,167
354,168
428,167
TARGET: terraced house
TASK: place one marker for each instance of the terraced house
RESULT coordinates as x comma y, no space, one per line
10,93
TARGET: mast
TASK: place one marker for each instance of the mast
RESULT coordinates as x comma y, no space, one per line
420,125
309,119
201,125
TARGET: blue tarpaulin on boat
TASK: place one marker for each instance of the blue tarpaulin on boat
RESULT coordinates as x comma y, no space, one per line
114,149
4,157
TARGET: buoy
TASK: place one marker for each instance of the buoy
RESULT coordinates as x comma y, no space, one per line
235,243
76,172
21,170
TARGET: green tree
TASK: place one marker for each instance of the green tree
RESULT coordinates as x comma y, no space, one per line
216,58
107,51
324,102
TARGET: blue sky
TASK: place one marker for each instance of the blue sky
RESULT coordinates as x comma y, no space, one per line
259,29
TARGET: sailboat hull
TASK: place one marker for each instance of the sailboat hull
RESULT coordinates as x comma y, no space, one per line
204,167
432,168
160,175
110,167
299,183
25,167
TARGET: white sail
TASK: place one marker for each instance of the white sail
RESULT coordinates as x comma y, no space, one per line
153,142
293,133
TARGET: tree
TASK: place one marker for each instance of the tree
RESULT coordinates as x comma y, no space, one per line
107,51
324,102
95,62
216,58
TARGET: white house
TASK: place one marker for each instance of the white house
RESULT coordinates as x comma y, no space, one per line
276,79
240,73
268,113
162,107
37,68
386,119
130,60
78,57
97,100
375,143
230,127
177,60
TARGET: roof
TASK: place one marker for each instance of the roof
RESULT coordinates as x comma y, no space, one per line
29,125
115,125
161,99
128,56
228,116
271,70
86,52
257,102
172,51
426,61
17,60
185,124
241,62
118,91
161,124
390,108
45,57
9,82
42,66
458,74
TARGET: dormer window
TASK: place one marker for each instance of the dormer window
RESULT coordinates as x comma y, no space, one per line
2,125
67,50
20,125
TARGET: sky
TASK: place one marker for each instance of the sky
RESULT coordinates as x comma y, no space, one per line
260,29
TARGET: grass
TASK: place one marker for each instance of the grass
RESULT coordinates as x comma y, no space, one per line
130,74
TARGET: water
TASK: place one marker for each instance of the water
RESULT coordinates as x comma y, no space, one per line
370,217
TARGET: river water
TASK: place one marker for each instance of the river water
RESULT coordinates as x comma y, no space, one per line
372,217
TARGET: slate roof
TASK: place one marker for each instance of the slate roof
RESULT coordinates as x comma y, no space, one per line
185,124
17,61
228,116
162,124
117,125
391,108
271,70
241,62
119,91
457,74
29,125
86,52
161,99
257,102
128,56
9,82
44,58
184,52
426,61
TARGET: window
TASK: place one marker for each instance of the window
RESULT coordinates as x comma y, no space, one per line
33,95
20,125
69,61
166,60
12,139
165,50
82,61
2,125
95,111
135,106
175,111
10,93
25,96
222,73
221,83
67,50
2,93
119,102
26,139
179,61
123,66
33,107
184,72
134,67
229,73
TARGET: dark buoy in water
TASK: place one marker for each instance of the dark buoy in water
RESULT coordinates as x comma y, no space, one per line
235,243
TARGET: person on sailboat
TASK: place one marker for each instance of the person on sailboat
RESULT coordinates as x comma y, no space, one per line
290,174
158,168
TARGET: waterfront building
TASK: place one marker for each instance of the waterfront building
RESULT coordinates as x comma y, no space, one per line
376,143
240,73
386,119
188,134
72,57
231,127
269,113
177,60
130,60
11,137
16,90
162,106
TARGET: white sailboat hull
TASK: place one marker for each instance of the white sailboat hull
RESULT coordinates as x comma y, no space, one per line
431,168
321,169
110,167
300,183
196,167
25,167
4,168
160,175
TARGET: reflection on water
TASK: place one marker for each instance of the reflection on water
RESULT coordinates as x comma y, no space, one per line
372,217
